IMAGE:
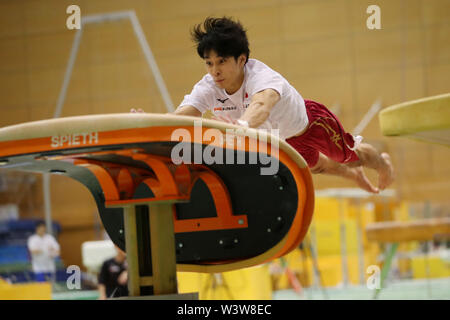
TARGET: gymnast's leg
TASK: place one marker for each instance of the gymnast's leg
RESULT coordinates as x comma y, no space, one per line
369,157
329,149
326,165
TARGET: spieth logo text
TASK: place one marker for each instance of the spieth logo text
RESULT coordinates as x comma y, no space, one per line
75,139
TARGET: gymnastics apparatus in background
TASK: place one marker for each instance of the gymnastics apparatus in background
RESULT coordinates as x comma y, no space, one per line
175,215
426,120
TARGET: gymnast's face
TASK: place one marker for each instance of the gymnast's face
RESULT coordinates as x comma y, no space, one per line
227,72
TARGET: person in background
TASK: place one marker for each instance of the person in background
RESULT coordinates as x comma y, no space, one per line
44,249
113,277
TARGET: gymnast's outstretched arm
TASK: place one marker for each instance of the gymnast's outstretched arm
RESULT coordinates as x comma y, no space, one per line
260,107
188,111
183,111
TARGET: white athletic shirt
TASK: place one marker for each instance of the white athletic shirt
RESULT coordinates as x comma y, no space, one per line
44,261
288,115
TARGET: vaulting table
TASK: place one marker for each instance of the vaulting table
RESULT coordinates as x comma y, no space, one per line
167,192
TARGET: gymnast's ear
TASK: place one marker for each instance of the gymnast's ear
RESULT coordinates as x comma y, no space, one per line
242,59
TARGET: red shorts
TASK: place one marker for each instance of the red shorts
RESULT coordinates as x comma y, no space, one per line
324,134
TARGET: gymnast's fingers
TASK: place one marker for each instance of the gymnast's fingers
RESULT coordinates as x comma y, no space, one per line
221,118
229,119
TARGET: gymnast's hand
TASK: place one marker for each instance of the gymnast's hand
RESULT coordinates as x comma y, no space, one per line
133,110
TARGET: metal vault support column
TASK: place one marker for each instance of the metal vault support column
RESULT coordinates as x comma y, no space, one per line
150,247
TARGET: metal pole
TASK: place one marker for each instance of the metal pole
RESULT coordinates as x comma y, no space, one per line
343,244
389,256
131,244
359,243
68,74
312,246
115,16
57,114
428,244
367,117
47,202
151,61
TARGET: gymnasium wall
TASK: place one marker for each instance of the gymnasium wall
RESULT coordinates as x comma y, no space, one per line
322,47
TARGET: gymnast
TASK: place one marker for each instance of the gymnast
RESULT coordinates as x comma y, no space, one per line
247,92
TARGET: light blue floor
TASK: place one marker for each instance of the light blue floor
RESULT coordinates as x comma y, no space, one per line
76,295
433,289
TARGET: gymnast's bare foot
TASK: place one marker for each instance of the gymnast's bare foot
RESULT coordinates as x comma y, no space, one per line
363,182
386,173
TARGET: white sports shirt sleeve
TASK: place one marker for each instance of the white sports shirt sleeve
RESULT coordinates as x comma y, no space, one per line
260,80
200,97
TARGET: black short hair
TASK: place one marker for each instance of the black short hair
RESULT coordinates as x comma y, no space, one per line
223,35
39,223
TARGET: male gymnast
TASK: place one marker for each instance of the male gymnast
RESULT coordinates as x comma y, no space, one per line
247,92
